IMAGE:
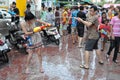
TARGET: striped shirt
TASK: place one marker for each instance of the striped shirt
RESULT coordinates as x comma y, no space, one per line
115,22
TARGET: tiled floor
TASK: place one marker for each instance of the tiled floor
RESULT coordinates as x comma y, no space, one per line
60,63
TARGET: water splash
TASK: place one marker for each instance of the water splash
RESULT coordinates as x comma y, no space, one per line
82,58
92,65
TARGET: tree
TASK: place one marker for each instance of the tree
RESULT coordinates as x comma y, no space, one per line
102,2
117,1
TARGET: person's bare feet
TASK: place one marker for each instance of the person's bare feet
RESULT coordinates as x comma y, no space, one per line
101,62
27,70
41,70
73,42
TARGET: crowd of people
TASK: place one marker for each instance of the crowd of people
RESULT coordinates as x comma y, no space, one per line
99,24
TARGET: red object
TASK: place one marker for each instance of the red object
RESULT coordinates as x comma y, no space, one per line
70,20
1,42
106,28
43,27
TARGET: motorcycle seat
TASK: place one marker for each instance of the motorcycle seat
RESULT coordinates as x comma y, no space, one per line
19,33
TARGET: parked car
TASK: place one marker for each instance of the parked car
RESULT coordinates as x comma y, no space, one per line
5,15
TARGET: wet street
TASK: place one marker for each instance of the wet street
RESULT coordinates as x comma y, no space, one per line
60,63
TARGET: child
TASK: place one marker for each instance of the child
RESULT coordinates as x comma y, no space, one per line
104,32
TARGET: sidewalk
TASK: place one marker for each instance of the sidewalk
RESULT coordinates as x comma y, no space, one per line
60,63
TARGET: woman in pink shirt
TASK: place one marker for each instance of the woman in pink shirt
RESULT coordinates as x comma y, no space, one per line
102,18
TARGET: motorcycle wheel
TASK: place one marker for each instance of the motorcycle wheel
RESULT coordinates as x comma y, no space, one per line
57,42
11,41
5,58
23,50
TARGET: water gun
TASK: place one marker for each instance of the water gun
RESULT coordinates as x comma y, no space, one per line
103,31
11,12
40,28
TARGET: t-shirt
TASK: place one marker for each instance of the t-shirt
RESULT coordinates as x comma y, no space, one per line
50,18
57,17
101,20
27,11
110,14
82,16
64,17
74,21
16,10
92,30
70,19
115,22
43,15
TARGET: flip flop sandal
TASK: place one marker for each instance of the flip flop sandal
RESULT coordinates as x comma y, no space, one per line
83,66
41,70
101,63
79,46
27,71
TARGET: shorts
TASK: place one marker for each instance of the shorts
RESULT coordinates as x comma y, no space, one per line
80,31
74,30
64,27
91,44
69,29
57,24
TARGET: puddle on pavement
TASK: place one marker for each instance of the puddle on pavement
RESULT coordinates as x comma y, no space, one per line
60,71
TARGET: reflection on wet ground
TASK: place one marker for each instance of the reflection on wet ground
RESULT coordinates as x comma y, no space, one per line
60,63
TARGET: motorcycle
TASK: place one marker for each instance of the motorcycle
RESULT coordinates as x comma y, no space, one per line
16,37
4,49
51,35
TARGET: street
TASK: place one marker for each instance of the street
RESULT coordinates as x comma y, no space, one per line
60,63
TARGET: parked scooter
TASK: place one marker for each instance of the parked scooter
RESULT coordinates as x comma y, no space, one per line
4,49
51,35
16,37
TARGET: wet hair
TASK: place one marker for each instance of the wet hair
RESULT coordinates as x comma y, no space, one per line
49,9
75,7
94,7
29,16
28,6
43,5
57,8
13,3
65,9
81,8
103,13
104,21
87,7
